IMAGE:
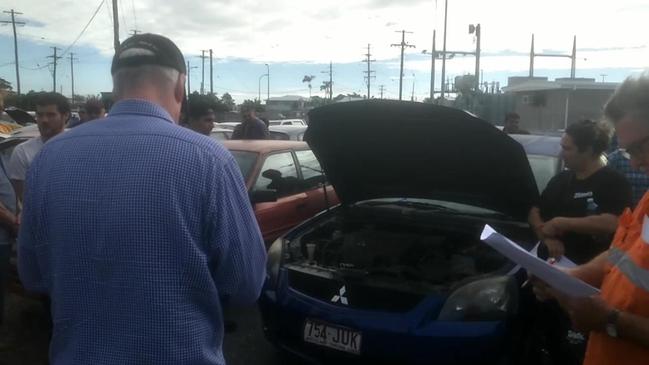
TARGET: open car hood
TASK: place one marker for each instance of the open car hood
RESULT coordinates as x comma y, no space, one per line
386,149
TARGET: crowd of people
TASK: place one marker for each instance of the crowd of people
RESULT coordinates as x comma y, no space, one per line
140,232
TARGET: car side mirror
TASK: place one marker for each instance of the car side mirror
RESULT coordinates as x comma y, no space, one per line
263,196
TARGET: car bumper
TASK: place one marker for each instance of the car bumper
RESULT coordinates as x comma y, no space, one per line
386,338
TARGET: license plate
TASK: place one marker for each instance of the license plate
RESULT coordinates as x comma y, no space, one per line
335,337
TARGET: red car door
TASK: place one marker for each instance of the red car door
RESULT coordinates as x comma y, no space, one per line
279,173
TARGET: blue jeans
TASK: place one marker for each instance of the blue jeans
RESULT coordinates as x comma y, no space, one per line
5,253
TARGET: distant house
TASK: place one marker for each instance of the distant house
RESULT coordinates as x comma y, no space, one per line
290,106
547,106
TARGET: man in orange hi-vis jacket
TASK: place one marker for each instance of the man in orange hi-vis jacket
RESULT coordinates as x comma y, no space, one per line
618,318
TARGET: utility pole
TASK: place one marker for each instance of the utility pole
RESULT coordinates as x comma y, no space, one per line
331,81
369,71
382,89
532,58
433,57
115,26
573,66
267,83
476,29
412,97
55,59
203,57
14,23
403,45
72,59
444,49
189,79
211,75
135,32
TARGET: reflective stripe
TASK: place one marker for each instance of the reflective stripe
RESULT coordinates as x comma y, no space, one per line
637,275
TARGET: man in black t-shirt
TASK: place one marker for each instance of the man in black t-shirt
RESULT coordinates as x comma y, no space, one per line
578,211
577,217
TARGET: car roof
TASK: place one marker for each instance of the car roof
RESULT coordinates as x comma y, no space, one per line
539,145
264,146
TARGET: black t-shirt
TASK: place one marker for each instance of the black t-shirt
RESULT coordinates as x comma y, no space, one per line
605,191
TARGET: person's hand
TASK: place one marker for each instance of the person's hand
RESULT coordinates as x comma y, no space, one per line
556,248
587,314
553,227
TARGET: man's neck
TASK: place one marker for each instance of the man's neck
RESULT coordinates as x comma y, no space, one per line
591,167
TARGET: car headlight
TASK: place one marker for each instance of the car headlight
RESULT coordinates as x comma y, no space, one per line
492,299
274,260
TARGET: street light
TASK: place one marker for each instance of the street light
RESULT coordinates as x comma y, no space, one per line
268,83
259,90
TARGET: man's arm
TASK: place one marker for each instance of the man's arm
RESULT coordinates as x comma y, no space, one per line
239,253
8,219
536,222
594,271
28,267
19,187
595,224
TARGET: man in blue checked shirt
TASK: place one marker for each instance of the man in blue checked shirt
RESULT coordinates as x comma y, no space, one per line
138,237
639,180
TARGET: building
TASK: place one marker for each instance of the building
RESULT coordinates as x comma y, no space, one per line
549,106
290,106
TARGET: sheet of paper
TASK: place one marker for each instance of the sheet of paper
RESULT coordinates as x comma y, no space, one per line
550,274
564,262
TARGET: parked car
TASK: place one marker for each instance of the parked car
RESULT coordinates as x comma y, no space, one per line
287,122
227,125
544,156
287,132
397,273
221,134
285,181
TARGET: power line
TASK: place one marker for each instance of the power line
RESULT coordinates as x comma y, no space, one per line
84,28
134,16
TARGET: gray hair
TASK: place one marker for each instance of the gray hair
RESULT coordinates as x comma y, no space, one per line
128,79
630,99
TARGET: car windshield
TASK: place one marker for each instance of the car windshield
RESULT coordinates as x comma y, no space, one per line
544,168
246,161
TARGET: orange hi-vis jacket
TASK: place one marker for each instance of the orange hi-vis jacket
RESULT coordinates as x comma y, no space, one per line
625,287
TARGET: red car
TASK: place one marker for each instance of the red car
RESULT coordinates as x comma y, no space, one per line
285,182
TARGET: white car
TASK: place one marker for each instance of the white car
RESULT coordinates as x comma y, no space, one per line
287,122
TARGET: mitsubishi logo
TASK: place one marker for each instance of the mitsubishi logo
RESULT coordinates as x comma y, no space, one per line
340,297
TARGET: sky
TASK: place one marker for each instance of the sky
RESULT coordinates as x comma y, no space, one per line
300,37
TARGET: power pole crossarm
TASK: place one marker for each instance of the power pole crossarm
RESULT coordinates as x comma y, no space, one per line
13,23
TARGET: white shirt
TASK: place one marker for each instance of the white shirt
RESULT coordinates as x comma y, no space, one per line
22,157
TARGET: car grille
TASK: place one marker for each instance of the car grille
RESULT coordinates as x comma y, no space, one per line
356,295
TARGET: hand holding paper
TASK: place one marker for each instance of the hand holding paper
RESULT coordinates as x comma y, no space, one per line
551,275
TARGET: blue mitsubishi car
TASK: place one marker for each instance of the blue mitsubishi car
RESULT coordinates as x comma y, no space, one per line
397,274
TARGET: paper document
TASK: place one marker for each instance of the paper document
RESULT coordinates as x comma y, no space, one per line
563,261
550,274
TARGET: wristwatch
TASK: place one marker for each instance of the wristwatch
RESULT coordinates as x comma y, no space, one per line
611,323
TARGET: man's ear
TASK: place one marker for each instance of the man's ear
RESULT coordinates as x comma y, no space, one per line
179,92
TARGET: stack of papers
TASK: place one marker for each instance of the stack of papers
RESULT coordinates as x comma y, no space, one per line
550,274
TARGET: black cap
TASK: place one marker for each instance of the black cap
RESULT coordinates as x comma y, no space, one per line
148,49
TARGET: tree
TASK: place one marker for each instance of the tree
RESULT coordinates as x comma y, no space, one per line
228,101
326,87
5,85
308,78
256,104
316,101
211,100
